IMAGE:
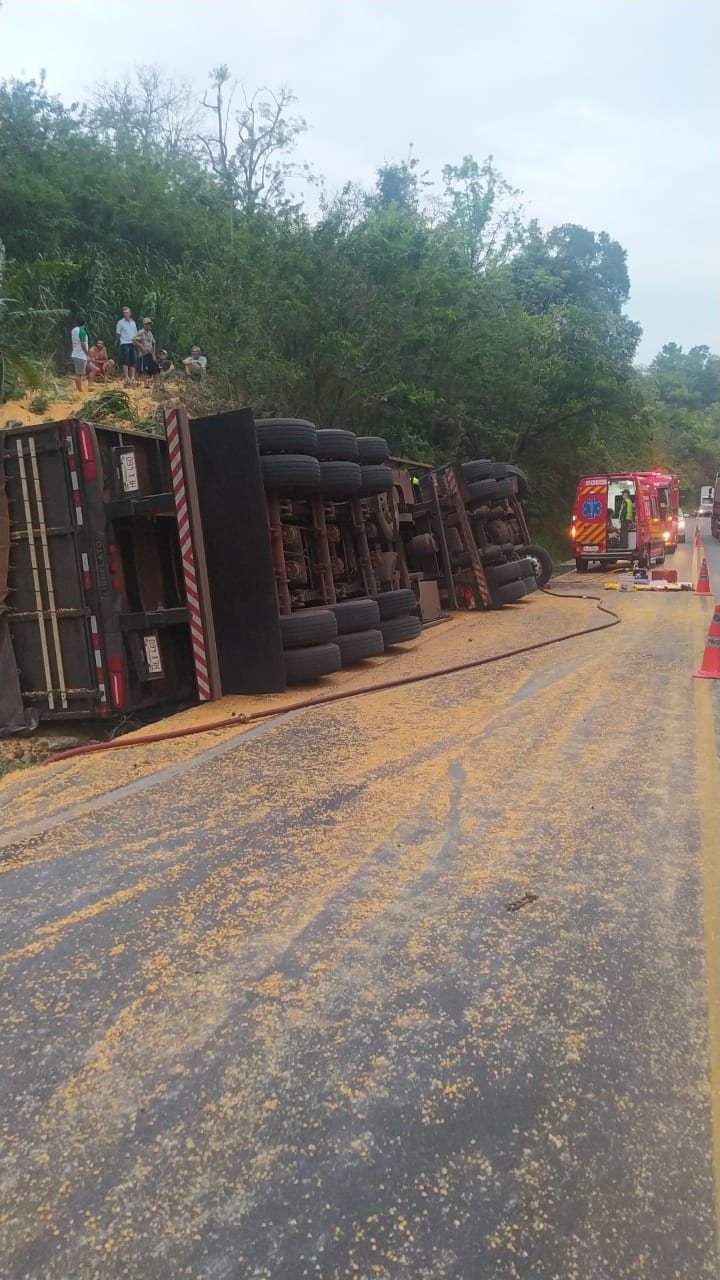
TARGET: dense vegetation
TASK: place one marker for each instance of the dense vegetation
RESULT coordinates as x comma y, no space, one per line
434,314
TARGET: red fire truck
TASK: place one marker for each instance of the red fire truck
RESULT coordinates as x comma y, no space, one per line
668,493
630,516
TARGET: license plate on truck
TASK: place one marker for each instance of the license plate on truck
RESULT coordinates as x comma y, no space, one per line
153,659
591,548
129,472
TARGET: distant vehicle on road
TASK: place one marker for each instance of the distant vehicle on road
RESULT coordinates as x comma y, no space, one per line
707,495
630,516
681,525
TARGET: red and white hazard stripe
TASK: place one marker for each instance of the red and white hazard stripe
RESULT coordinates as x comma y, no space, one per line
74,478
99,669
197,634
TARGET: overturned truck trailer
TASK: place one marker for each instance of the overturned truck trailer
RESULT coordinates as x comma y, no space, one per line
93,618
98,618
139,571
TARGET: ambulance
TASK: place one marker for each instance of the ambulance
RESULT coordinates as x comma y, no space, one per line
627,516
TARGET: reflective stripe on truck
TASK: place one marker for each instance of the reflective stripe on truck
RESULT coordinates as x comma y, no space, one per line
197,633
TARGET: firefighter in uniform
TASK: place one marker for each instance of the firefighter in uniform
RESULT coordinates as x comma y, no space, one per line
626,516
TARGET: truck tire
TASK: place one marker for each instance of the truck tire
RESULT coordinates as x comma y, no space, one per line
395,604
375,478
542,562
337,446
340,478
523,484
510,592
358,645
355,615
286,435
481,469
400,630
290,471
513,571
309,664
581,565
373,449
308,626
500,471
493,490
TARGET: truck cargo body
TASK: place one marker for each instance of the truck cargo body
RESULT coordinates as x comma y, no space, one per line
95,606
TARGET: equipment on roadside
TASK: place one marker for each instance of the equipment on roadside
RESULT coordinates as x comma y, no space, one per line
709,668
649,586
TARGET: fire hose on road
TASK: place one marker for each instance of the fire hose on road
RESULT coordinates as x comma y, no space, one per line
229,722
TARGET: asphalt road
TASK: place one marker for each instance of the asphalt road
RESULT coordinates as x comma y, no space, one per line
416,986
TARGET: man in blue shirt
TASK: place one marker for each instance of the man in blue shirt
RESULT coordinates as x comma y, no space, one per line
126,330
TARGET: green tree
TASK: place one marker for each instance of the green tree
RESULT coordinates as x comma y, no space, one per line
482,208
683,392
150,113
251,161
17,370
447,323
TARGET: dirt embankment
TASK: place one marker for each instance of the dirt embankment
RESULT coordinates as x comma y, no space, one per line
63,401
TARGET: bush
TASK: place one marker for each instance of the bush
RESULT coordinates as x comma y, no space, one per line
40,403
109,406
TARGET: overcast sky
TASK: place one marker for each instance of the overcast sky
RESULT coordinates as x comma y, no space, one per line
605,113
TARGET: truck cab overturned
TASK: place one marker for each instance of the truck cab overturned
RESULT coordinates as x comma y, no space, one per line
626,516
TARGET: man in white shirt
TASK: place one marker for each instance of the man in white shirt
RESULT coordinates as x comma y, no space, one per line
81,362
195,364
126,330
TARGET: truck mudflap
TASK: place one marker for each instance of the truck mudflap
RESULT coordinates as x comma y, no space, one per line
13,717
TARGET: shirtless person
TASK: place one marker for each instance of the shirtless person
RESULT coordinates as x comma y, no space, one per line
100,360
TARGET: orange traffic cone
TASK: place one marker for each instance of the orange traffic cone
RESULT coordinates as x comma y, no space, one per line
710,666
702,587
